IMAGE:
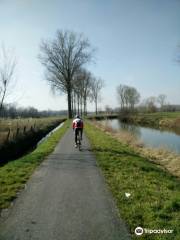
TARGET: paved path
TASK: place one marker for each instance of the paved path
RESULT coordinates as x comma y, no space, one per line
66,199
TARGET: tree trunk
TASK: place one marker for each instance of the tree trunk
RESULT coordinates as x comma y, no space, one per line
96,105
84,106
2,100
81,106
69,104
78,104
74,103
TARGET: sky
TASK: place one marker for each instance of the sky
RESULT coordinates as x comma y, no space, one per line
135,40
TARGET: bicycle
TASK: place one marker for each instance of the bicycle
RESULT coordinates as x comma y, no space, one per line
79,140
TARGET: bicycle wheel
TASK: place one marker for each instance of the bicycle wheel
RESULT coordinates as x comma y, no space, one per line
79,140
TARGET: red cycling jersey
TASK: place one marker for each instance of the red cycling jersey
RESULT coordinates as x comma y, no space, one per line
77,123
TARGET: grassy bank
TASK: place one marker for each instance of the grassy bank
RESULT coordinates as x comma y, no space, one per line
154,202
14,174
102,116
10,129
169,120
166,158
23,143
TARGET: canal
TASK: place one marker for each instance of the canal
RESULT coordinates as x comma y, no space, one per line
151,137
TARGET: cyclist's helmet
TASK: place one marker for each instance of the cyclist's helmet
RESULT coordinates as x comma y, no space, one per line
77,116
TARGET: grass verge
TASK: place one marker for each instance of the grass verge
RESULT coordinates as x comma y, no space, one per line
14,174
166,158
154,202
165,120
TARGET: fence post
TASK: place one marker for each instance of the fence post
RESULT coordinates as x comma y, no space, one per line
8,134
17,132
24,130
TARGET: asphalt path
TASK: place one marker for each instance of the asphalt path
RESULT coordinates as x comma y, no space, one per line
65,199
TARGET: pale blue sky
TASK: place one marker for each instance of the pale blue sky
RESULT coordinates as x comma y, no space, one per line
136,43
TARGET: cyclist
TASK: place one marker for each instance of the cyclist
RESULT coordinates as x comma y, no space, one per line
78,127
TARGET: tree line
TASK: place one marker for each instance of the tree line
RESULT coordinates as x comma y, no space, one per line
127,96
12,111
129,100
65,58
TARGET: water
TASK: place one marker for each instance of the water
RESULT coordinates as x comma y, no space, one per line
149,136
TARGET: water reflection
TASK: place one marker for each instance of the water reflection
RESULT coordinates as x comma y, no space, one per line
149,136
116,124
133,129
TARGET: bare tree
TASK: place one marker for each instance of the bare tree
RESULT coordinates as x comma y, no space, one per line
121,95
161,100
128,96
108,110
81,90
96,86
87,78
63,57
77,90
7,70
133,97
151,104
84,87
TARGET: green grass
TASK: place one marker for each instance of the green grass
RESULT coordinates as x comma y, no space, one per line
14,174
162,114
25,125
155,118
165,120
155,194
